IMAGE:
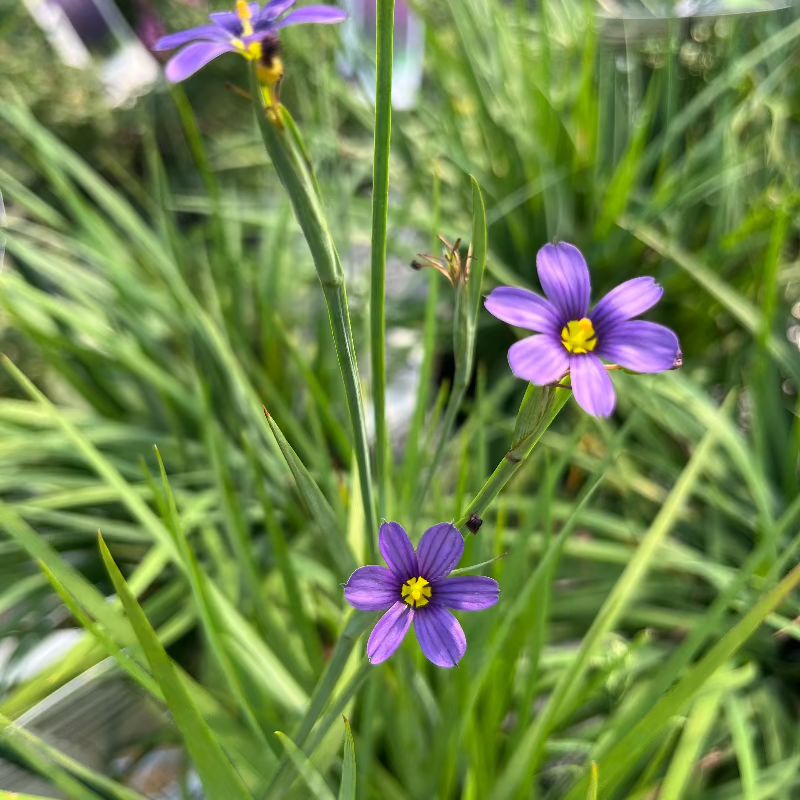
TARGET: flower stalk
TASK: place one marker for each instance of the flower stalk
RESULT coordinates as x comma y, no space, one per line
539,408
295,172
380,212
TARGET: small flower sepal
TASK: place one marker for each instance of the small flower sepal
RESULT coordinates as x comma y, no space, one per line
415,588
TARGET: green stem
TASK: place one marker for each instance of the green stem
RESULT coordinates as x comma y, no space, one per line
380,213
294,170
546,410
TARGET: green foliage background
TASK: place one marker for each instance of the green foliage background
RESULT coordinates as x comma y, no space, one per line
157,291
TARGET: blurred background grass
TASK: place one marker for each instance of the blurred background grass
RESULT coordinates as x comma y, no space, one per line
157,291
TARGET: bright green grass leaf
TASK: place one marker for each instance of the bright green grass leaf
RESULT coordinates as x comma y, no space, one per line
591,793
294,169
220,780
680,774
72,777
330,529
347,788
380,218
307,771
198,582
112,648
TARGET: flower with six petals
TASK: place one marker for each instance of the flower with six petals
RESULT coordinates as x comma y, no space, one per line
242,31
414,587
572,340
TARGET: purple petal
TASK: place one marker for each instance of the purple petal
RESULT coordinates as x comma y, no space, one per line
205,33
389,633
372,589
591,385
473,593
192,58
640,346
627,301
440,636
398,552
565,279
232,22
274,9
440,549
524,309
539,359
324,15
227,20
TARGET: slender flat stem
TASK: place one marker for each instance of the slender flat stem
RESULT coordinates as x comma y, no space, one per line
380,212
512,461
291,163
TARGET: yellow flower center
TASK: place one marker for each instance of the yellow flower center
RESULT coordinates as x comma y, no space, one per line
579,337
251,51
416,592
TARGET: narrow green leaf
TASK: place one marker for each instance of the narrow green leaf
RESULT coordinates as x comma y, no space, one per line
480,249
77,781
384,54
111,647
80,588
680,776
356,625
744,744
294,170
198,582
591,794
220,780
280,550
332,532
347,788
307,771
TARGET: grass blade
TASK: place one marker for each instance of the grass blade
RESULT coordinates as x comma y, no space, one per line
329,526
220,780
294,171
66,773
307,771
347,788
380,212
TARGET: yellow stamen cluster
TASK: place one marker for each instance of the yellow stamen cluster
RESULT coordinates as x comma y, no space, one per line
416,592
579,336
253,50
246,16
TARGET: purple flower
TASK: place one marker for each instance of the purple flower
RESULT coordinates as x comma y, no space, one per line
241,31
415,588
572,340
